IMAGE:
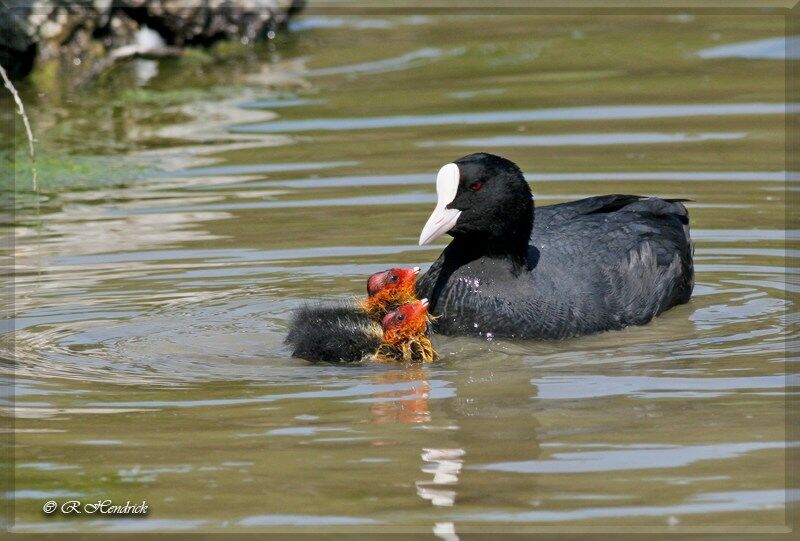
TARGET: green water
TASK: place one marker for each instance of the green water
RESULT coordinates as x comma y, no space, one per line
186,207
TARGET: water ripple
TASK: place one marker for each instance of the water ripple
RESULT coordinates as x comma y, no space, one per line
597,386
762,49
587,139
642,457
429,178
711,502
603,112
257,168
304,520
410,60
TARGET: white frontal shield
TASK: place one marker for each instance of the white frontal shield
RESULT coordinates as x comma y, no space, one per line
443,219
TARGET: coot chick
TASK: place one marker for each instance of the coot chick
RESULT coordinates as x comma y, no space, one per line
401,336
389,289
565,270
406,335
334,330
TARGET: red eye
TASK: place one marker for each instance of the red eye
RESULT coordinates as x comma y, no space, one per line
475,186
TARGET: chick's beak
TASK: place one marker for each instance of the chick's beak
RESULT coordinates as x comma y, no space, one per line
410,275
421,308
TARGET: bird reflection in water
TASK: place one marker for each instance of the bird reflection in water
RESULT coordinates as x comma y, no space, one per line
445,466
411,406
407,405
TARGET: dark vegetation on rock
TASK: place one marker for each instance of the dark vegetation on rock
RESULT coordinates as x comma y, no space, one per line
98,31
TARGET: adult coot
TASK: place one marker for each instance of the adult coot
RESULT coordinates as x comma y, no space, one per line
565,270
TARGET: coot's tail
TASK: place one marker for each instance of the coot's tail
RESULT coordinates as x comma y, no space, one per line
679,210
669,241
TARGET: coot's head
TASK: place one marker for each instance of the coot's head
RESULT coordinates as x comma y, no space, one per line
406,322
391,281
482,197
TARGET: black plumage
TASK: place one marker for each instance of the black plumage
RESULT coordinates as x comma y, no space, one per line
565,270
333,332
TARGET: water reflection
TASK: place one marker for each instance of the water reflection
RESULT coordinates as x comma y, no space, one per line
445,466
411,406
403,62
445,531
272,104
406,405
358,23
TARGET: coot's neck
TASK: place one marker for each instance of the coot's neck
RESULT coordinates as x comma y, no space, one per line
508,240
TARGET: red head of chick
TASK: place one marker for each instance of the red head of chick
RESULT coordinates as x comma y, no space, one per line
405,335
389,289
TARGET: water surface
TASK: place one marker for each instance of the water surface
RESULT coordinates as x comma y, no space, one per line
181,221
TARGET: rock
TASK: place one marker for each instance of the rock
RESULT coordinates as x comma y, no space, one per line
44,29
17,43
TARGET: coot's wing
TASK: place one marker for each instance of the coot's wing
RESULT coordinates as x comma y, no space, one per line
617,260
552,215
